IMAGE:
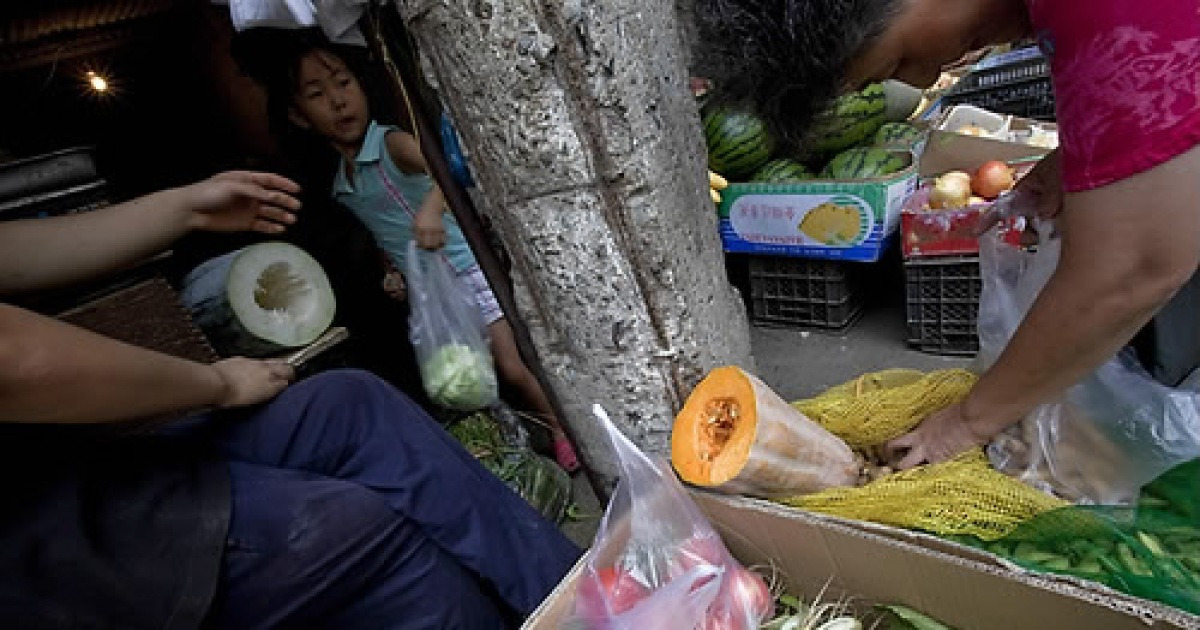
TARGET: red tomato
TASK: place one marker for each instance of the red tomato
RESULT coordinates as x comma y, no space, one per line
609,591
699,551
748,594
743,603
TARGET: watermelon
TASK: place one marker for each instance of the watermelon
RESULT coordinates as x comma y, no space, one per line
897,134
865,163
782,171
852,120
738,142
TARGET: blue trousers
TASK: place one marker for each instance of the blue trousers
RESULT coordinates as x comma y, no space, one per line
353,509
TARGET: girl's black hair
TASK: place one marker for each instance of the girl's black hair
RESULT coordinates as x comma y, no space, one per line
272,58
784,59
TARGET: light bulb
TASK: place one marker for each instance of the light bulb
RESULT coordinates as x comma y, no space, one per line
97,82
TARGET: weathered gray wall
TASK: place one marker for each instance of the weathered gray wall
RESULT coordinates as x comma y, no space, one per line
585,140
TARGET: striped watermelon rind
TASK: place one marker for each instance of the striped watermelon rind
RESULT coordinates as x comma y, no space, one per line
853,119
866,163
897,134
738,142
782,171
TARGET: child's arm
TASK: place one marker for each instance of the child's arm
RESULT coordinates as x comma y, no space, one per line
428,227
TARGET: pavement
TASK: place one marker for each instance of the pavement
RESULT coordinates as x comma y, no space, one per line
800,363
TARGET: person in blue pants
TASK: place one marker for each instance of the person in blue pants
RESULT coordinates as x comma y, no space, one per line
335,502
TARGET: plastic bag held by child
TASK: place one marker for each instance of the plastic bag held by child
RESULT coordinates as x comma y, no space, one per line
657,564
1107,436
447,334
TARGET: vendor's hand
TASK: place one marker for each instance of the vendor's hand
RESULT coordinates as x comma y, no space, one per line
242,200
252,381
393,285
429,229
941,436
1038,194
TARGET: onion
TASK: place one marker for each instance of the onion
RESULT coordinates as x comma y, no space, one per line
951,190
974,130
992,178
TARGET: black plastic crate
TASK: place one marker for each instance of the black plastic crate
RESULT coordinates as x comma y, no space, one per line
803,292
942,304
1021,88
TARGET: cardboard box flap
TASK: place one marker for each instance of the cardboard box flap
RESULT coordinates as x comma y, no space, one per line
945,151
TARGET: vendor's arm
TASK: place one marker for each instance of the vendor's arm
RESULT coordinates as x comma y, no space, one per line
44,253
52,372
428,227
1126,248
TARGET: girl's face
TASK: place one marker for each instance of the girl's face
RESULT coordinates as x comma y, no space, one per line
329,101
927,35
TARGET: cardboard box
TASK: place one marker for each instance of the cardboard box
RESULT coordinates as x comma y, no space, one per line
821,218
962,587
952,232
1003,128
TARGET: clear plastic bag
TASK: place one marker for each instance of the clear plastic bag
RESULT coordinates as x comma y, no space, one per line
1104,438
657,563
448,335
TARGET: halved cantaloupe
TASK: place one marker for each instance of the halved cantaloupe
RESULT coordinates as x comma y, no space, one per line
734,434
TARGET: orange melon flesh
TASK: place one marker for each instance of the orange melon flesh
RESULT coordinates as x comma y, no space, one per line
712,435
735,434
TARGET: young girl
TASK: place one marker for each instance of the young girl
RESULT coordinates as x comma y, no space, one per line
382,178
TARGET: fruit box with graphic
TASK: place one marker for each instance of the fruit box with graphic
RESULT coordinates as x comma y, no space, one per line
819,218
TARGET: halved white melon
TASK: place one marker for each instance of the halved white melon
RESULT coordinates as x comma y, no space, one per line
260,300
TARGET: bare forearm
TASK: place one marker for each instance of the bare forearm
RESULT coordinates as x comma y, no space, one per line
1076,324
44,253
1126,249
51,372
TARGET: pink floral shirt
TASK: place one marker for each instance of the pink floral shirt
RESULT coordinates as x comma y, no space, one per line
1126,81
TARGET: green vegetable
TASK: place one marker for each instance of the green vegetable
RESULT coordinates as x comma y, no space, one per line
458,377
504,450
905,618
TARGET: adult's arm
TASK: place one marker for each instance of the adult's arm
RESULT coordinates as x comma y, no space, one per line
53,372
44,253
1126,249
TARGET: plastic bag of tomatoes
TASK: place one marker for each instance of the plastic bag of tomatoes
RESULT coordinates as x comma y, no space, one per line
658,563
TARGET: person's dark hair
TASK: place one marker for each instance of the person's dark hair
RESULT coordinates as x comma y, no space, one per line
784,59
272,58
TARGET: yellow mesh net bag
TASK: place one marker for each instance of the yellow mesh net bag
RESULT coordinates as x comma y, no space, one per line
960,496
